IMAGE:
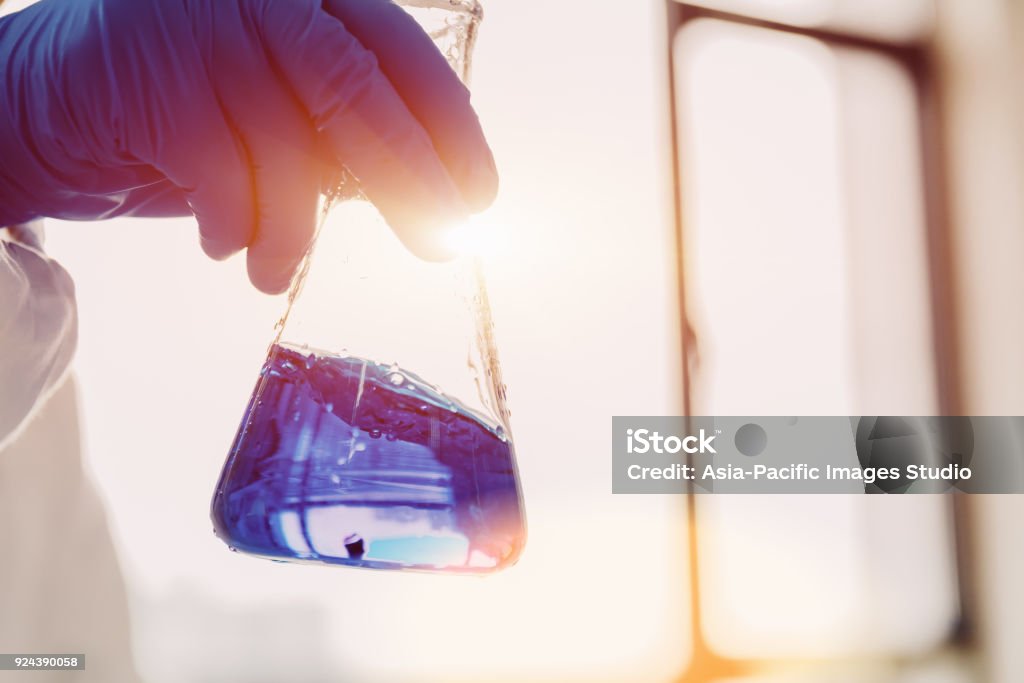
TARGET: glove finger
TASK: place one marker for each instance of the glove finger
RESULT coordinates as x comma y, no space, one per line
286,161
219,191
430,89
198,151
286,173
366,123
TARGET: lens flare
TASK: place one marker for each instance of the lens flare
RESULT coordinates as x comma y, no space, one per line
478,236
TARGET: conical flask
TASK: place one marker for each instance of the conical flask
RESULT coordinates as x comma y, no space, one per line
378,433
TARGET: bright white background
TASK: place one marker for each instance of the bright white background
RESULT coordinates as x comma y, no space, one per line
571,94
171,344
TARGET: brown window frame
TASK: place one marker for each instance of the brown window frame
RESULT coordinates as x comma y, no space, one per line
920,60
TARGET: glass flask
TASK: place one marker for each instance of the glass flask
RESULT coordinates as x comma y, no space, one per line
378,433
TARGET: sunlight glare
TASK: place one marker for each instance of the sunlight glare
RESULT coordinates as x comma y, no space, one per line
480,235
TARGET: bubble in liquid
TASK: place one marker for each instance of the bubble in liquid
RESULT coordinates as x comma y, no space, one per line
396,378
423,483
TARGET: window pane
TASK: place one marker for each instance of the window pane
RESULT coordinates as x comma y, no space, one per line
807,286
766,263
890,305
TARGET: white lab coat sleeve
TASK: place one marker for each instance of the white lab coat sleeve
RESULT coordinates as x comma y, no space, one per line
38,331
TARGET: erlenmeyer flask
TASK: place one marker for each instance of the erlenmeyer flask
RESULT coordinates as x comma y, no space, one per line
377,434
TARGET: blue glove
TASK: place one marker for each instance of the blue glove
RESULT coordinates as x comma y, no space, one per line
237,111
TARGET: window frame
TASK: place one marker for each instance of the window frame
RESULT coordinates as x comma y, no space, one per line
920,59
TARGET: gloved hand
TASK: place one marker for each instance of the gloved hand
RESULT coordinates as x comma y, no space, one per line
236,111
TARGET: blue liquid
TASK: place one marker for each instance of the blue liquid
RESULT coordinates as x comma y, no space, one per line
347,461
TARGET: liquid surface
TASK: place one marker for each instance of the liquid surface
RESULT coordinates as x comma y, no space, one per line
345,460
